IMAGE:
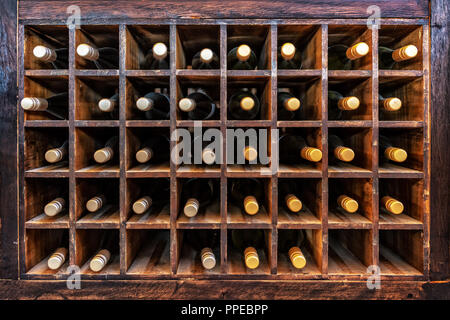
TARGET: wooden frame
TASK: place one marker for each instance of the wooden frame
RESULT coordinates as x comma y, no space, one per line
435,264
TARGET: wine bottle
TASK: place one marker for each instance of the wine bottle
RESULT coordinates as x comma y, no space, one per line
155,59
247,194
108,152
103,58
388,58
58,154
390,152
288,105
55,206
57,258
204,242
337,104
340,56
58,58
288,196
155,149
289,242
389,104
293,148
208,155
56,105
154,195
198,105
156,105
96,203
110,106
340,151
347,203
392,205
248,242
196,194
289,57
205,59
244,105
241,58
108,247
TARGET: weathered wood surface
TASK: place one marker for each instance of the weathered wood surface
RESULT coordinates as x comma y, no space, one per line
197,9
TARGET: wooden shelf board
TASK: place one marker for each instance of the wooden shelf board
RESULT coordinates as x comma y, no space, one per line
105,218
96,73
147,123
149,171
42,268
152,258
248,171
96,123
305,219
147,73
236,264
246,124
42,221
99,171
207,218
347,170
342,261
392,264
53,170
350,124
300,73
112,268
205,123
238,219
300,170
389,170
188,171
299,124
348,74
402,124
149,220
198,74
248,74
46,123
343,220
400,73
398,221
46,73
285,267
190,263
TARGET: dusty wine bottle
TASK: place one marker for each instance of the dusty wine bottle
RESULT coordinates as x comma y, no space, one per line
392,205
390,152
248,242
340,151
289,242
58,154
156,58
58,58
204,242
154,195
108,152
198,105
337,104
196,194
288,105
288,196
156,105
389,58
241,58
95,203
56,105
247,194
289,57
57,258
155,149
340,56
347,203
389,104
110,106
244,105
205,59
108,247
55,207
293,148
102,58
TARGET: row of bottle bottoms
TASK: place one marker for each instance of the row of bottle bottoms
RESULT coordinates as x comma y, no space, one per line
198,105
293,149
242,57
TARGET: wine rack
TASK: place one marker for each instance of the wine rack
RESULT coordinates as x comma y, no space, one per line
338,245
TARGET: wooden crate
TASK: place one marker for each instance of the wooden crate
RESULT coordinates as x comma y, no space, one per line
340,247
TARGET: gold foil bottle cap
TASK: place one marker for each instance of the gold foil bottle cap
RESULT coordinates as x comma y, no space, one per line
208,258
357,51
392,104
159,50
288,51
54,155
142,205
311,154
44,53
251,205
297,258
348,204
54,207
191,207
34,104
344,154
251,258
396,154
206,55
392,205
144,155
100,260
186,104
247,103
291,104
208,156
405,53
96,203
88,52
243,52
250,153
103,155
293,203
144,104
57,259
348,103
106,105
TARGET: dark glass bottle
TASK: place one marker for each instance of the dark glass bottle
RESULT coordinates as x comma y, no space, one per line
205,59
289,57
288,105
198,105
242,58
293,148
247,194
57,58
56,105
102,58
244,105
340,56
155,105
196,194
156,58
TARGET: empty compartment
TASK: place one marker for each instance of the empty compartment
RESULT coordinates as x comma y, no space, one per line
249,99
394,37
54,91
97,98
148,150
89,141
147,203
257,37
140,42
350,99
148,252
349,150
103,38
98,251
401,252
147,98
46,251
402,203
350,252
401,150
350,203
299,203
198,98
191,40
342,53
198,202
401,99
307,260
249,251
46,202
307,40
249,202
199,252
307,90
46,150
55,38
97,203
